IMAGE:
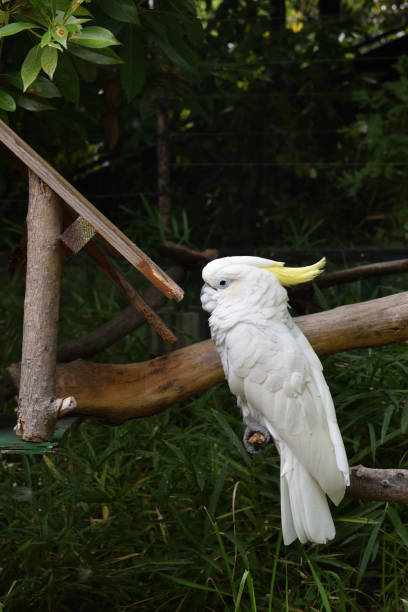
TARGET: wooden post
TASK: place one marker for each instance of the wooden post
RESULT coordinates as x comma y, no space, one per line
39,407
163,158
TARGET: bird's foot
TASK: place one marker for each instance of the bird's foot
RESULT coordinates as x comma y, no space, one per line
256,438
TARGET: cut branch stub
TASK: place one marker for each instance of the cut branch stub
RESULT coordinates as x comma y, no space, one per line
38,404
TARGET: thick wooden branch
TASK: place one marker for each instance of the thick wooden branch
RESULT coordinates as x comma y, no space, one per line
39,407
348,275
190,258
117,392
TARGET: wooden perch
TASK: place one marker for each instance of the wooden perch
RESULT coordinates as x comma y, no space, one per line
348,275
39,407
117,392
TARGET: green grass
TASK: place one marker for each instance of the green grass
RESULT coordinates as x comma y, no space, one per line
170,513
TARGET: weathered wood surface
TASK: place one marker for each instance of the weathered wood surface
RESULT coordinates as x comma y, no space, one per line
117,392
378,484
77,202
373,323
38,403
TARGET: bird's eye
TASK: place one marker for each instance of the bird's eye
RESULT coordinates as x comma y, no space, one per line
223,283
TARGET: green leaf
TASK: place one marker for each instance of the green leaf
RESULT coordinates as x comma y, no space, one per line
67,80
386,421
399,527
7,102
180,56
15,28
31,66
404,418
31,104
60,34
322,591
121,10
44,88
86,70
367,552
45,39
373,443
49,60
133,71
95,37
106,57
4,117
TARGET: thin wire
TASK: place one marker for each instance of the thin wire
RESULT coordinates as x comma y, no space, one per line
290,164
276,132
244,94
97,196
306,62
295,19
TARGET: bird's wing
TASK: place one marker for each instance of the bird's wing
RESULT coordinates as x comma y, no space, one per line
271,372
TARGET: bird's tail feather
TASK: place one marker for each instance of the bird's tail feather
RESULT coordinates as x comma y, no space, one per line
304,507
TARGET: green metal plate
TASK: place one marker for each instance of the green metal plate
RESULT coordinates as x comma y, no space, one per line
11,443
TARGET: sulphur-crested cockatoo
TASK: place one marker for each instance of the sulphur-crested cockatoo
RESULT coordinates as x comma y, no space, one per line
277,378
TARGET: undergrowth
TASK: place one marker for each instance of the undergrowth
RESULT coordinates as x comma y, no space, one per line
170,513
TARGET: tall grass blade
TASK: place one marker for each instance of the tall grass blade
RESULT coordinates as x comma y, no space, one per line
322,591
367,553
240,590
274,568
251,590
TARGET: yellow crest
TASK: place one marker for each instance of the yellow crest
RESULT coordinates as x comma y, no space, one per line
294,276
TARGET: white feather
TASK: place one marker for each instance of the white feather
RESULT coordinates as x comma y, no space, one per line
278,381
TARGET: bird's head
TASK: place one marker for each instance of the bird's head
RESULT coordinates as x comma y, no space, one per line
234,279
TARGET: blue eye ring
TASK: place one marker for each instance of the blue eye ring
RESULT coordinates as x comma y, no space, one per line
223,283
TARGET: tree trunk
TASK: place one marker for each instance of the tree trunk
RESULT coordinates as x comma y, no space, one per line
38,404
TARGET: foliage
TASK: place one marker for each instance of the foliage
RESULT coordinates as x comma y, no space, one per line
170,513
72,49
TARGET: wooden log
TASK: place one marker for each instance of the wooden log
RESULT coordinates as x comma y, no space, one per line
117,392
39,406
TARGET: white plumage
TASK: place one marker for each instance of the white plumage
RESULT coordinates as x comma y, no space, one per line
277,378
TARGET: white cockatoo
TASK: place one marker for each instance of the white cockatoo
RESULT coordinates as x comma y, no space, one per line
277,378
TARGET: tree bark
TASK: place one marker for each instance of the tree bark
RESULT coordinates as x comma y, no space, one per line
117,392
39,406
378,485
